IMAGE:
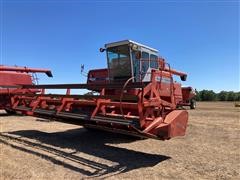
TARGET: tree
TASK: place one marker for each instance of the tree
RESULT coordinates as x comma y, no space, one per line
231,96
222,96
237,96
207,95
197,97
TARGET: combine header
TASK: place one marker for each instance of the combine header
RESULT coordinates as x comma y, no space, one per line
11,77
135,95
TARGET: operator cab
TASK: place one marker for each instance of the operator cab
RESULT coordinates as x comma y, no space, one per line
128,59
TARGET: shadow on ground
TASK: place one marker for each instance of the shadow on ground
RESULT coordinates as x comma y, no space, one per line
4,114
80,140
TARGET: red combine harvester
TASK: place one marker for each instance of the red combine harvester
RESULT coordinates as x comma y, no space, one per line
188,97
135,95
10,79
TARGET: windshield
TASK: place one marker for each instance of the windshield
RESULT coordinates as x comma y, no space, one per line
119,62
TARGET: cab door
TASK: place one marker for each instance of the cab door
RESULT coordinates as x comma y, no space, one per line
136,65
145,70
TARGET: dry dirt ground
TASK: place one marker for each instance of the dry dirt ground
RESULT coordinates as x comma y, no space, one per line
33,149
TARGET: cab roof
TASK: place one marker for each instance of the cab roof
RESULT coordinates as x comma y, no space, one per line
113,44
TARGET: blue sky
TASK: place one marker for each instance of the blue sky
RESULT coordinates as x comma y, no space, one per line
199,38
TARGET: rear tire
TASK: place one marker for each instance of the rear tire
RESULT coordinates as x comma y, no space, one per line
193,104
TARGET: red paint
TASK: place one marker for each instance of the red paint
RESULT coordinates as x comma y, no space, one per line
146,109
13,77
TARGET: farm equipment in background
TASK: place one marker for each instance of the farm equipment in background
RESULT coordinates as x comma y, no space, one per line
237,104
135,95
188,98
11,77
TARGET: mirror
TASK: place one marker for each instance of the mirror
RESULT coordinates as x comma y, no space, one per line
102,49
183,78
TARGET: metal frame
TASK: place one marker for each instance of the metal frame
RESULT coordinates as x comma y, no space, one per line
136,108
145,109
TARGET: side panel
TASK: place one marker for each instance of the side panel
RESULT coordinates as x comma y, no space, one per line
98,76
175,124
188,93
178,92
13,78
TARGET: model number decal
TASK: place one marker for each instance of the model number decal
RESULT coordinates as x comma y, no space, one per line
162,79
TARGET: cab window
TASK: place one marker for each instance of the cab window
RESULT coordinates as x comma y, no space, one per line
119,62
153,61
145,63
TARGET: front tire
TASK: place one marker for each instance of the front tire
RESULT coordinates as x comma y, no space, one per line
193,104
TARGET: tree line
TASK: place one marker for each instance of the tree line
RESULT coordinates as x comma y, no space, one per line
210,95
